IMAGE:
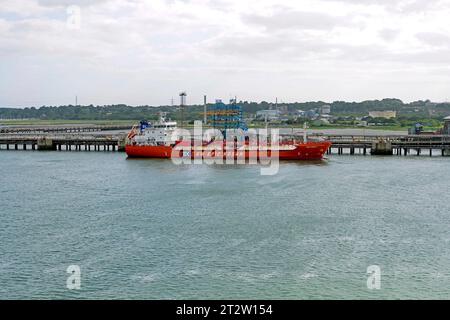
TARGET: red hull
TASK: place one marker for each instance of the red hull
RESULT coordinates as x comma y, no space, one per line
305,151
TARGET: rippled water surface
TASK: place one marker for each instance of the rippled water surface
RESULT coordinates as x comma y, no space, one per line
149,229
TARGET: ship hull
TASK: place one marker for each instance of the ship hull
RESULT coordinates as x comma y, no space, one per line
304,151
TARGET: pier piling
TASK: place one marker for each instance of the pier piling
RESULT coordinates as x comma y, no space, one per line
381,147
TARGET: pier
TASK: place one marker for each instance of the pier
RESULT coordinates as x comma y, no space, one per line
63,129
63,142
389,145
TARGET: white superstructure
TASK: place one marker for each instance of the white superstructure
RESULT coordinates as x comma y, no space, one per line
160,133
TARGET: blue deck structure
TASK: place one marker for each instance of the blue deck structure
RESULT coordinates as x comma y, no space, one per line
226,116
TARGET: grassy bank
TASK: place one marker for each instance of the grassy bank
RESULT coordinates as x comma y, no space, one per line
336,127
130,123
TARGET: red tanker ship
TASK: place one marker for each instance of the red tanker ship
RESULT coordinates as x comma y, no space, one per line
156,142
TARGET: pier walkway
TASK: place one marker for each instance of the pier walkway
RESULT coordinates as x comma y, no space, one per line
63,128
68,142
389,145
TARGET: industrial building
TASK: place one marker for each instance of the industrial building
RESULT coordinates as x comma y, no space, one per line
325,109
383,114
446,129
270,115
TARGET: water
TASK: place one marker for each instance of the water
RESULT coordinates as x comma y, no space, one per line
151,230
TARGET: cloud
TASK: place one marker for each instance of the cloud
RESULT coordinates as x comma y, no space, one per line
291,19
144,51
388,34
407,6
434,39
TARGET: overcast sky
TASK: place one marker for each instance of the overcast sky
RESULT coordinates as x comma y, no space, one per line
147,51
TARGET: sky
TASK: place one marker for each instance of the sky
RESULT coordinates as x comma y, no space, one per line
145,52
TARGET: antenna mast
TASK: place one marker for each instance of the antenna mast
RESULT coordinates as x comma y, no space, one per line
204,109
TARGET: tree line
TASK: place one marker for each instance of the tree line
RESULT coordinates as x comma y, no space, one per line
422,108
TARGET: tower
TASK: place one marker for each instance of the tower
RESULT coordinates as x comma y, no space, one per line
182,104
226,116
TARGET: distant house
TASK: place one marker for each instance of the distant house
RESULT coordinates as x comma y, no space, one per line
325,109
312,114
283,109
383,114
271,115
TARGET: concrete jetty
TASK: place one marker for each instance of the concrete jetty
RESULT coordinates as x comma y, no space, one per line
341,144
67,142
34,129
389,145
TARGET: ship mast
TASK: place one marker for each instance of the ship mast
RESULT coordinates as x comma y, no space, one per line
305,136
